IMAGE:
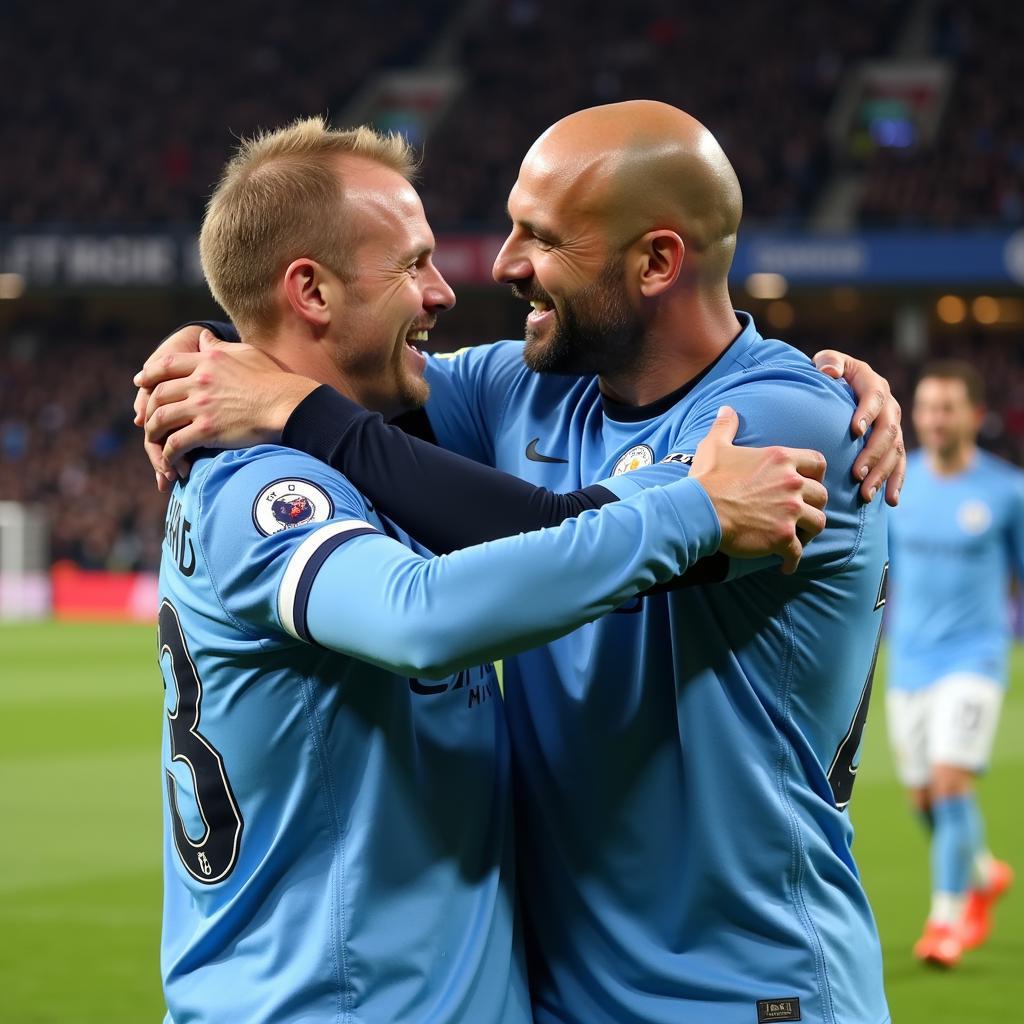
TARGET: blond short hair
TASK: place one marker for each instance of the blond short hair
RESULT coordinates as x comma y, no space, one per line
281,198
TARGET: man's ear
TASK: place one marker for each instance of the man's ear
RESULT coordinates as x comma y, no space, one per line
307,287
659,260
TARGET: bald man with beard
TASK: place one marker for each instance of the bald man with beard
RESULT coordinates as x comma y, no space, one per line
684,766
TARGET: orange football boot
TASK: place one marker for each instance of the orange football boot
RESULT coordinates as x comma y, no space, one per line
940,945
977,920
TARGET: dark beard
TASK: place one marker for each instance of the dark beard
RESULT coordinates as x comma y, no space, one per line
597,332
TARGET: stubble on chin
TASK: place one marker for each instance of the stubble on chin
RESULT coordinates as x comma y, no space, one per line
413,391
548,356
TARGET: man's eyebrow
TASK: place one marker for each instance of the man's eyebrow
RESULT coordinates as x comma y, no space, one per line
418,252
534,229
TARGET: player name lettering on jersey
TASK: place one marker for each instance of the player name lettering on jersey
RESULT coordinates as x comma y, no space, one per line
176,535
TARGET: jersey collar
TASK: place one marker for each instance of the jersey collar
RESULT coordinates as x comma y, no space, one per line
624,413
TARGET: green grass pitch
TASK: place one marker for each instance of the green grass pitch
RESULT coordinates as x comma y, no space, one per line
80,723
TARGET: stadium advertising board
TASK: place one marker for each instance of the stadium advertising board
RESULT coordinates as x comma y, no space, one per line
57,258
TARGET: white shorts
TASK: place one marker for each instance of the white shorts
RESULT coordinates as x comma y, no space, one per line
953,722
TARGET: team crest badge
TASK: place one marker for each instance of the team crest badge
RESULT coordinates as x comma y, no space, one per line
636,458
974,517
287,503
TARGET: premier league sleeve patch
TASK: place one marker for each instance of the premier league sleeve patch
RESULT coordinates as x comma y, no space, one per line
287,503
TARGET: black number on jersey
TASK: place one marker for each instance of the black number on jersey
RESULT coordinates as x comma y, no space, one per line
842,773
212,856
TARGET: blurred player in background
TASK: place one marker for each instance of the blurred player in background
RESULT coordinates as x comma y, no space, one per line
338,831
956,541
683,767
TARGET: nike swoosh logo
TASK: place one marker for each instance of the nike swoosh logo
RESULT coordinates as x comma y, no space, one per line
535,456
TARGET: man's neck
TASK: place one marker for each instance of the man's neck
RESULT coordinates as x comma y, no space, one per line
954,462
682,345
295,350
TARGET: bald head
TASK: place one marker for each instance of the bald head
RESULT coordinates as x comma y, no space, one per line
638,166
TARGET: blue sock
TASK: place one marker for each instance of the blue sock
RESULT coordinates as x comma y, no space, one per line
955,841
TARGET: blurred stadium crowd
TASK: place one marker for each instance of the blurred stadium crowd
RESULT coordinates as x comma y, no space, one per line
974,174
70,447
67,444
118,119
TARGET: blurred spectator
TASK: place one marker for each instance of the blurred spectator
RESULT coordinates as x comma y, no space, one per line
68,444
124,113
998,357
973,175
67,405
766,101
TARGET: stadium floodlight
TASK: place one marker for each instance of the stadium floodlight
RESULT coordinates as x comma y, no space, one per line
767,286
985,309
24,562
951,309
12,286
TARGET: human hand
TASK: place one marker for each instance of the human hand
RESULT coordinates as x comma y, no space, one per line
884,457
225,395
769,500
180,342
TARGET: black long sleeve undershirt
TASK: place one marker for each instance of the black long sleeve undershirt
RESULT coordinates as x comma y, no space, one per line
442,499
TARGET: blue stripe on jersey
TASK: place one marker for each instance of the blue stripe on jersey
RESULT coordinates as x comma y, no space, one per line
328,540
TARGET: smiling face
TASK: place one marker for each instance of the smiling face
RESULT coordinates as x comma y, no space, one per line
624,220
592,330
559,258
393,296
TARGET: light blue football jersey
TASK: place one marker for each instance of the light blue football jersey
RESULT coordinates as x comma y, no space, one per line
338,831
683,765
956,541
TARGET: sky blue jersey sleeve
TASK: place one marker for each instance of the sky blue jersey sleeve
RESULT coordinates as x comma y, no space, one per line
377,600
254,509
295,555
468,394
776,406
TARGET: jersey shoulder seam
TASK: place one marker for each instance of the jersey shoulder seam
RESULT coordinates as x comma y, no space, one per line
214,585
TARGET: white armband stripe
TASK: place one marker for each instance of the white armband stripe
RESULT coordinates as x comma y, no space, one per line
293,593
